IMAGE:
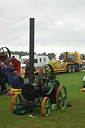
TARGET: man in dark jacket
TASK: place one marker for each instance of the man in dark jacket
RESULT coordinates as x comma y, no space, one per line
2,77
10,71
17,81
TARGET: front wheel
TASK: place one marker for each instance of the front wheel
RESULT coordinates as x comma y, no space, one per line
61,97
15,103
45,106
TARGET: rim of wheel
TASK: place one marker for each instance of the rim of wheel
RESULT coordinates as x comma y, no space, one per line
5,50
5,53
46,79
61,97
45,106
15,104
16,64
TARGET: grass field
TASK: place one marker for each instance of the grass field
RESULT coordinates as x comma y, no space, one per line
70,117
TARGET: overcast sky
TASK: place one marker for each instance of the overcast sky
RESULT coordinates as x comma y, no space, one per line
59,25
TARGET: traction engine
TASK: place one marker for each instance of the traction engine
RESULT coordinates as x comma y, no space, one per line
43,93
5,56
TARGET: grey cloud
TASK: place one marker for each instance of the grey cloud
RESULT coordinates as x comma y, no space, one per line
59,25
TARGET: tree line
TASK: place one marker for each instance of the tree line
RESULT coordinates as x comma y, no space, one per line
50,55
21,53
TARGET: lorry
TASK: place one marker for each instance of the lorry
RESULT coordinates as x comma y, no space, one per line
38,60
72,62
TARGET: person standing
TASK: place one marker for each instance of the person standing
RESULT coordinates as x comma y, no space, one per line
2,77
5,69
27,70
10,71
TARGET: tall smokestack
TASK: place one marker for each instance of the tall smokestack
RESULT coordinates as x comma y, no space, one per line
31,51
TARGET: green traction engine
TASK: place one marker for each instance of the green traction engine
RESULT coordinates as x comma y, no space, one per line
43,94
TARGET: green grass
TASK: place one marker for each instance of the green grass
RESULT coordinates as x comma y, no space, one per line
70,117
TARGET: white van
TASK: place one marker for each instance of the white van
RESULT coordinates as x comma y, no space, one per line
38,60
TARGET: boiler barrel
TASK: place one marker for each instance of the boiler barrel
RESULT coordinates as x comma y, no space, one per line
30,91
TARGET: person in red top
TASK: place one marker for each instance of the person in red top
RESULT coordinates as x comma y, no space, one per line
10,70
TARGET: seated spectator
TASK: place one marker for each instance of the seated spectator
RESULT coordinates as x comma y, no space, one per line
17,81
2,77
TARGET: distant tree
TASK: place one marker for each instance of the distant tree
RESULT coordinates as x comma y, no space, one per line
21,53
51,55
61,57
44,54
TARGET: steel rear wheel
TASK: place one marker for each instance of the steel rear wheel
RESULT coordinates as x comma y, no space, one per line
46,79
4,53
15,63
61,97
15,104
45,106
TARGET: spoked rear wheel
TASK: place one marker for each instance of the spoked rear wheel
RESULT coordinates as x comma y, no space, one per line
15,104
46,106
46,79
61,97
4,53
15,63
